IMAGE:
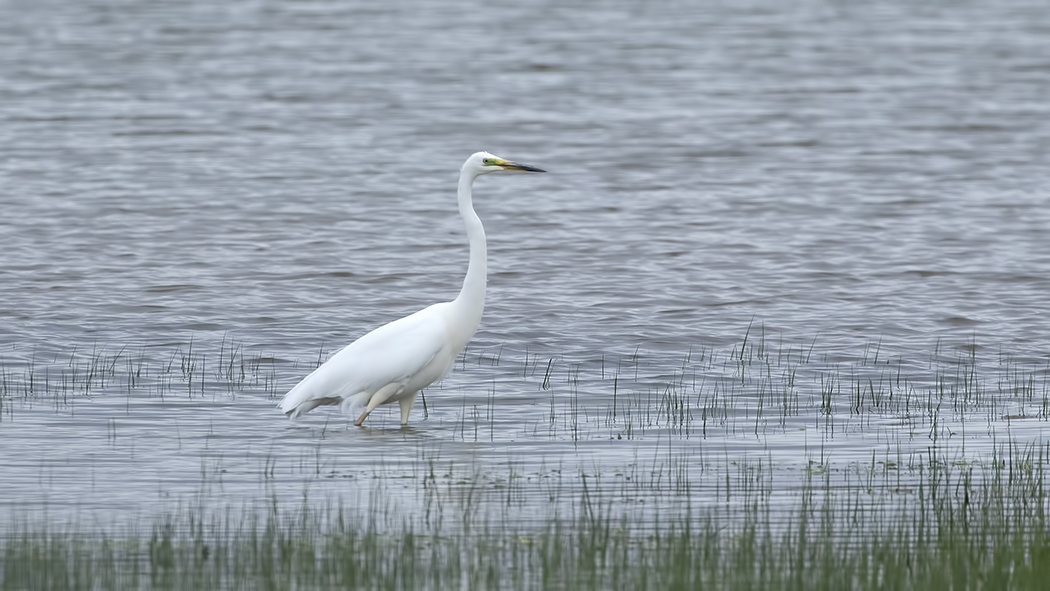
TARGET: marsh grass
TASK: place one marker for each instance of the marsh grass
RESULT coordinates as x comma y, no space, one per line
950,527
59,378
679,519
754,388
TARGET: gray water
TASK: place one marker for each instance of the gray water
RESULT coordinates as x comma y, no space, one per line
187,182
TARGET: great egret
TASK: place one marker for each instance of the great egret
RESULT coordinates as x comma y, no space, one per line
395,361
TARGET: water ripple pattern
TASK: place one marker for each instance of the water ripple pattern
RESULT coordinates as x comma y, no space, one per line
179,177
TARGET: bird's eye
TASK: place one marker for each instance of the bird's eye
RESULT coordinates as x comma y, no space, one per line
488,161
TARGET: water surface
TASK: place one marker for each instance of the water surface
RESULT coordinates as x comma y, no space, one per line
192,183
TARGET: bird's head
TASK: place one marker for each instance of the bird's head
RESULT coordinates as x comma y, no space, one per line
484,163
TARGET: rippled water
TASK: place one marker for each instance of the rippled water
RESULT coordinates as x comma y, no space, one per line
175,178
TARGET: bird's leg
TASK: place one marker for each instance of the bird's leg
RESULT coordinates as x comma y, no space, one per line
382,395
406,407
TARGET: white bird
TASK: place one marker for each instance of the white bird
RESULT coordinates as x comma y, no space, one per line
397,360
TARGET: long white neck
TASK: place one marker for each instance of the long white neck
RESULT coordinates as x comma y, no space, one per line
470,303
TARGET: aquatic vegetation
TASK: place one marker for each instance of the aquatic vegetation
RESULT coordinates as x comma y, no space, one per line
959,527
755,387
620,471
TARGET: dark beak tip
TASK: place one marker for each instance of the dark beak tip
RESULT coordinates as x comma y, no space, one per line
522,167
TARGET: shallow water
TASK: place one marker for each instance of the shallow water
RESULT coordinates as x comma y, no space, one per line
177,178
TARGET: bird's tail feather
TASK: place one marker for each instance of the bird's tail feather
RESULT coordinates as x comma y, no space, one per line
308,405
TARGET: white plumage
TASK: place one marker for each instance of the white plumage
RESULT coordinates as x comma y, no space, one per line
397,360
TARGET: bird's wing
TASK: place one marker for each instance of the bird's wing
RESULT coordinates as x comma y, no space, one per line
394,352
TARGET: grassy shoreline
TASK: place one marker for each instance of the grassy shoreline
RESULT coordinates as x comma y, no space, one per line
929,516
952,528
